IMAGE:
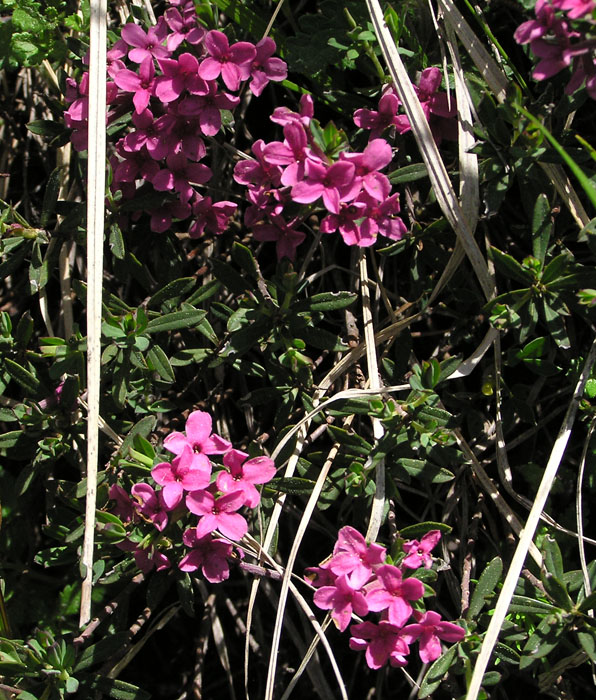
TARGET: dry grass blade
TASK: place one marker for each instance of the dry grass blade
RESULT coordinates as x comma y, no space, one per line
374,383
439,177
285,584
527,534
96,179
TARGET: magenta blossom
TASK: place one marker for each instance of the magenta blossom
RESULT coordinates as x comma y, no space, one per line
179,174
391,592
211,555
183,474
218,513
178,75
124,507
213,216
264,67
429,629
232,62
183,27
353,557
243,474
142,84
151,505
207,107
378,121
341,599
147,45
383,642
333,183
146,558
199,438
319,576
286,237
418,553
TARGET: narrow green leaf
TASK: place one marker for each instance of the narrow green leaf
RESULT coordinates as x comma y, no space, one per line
435,673
329,301
116,241
541,227
588,644
158,362
101,651
415,532
23,376
485,587
245,260
524,604
175,321
50,196
555,268
293,485
509,267
172,292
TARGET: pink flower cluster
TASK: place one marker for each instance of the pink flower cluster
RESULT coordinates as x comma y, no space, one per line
172,87
355,195
188,486
356,580
438,110
558,46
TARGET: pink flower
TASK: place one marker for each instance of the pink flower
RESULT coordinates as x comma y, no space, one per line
207,107
161,218
213,216
293,153
124,507
243,474
179,174
380,120
319,576
211,555
148,45
283,115
430,630
332,183
286,237
383,642
218,513
178,75
353,557
183,474
379,217
151,505
375,157
141,84
199,438
341,599
345,221
184,27
232,62
418,553
258,172
390,592
575,8
146,558
146,134
265,68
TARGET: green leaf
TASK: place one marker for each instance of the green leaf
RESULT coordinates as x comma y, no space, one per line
415,532
172,292
101,651
555,269
50,196
524,604
45,127
114,688
435,673
421,469
408,173
23,376
229,277
506,653
541,642
587,642
245,260
158,361
556,326
294,485
117,242
175,321
329,301
541,227
485,587
143,428
553,559
509,267
588,603
557,590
